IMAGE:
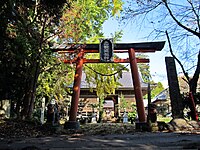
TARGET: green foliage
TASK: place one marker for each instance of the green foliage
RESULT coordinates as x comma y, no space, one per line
25,37
146,76
117,6
116,37
132,115
79,22
54,82
144,68
159,88
156,88
84,19
103,77
28,30
123,103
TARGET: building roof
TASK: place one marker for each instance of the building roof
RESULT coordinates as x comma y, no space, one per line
125,81
162,96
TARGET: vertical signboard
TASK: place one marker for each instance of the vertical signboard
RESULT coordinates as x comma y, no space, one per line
106,50
174,91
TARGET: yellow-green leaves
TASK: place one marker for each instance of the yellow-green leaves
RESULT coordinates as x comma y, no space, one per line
117,7
103,77
84,19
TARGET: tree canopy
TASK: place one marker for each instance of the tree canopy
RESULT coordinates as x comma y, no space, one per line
24,47
28,32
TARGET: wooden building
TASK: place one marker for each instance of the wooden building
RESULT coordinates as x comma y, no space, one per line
88,100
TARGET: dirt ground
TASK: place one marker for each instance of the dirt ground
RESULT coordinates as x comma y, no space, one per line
15,135
137,140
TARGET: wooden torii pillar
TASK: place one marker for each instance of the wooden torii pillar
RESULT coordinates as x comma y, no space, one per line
129,48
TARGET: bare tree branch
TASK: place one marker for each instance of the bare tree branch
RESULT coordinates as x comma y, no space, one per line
51,36
47,69
179,23
42,34
196,14
170,48
185,80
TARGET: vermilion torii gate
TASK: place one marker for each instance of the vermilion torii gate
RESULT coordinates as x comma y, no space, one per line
129,48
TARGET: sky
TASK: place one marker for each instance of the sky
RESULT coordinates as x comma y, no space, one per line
140,30
131,34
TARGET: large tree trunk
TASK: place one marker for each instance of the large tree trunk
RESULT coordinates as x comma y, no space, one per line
192,91
35,79
26,102
29,99
193,82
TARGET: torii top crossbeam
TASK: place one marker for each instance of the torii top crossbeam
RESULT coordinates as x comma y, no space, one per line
118,47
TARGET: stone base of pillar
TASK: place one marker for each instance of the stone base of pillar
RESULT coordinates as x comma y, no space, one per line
153,127
141,126
73,125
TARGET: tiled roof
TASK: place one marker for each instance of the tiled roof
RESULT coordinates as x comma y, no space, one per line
125,81
162,96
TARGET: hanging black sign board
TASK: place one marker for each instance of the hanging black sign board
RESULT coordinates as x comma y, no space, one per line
106,50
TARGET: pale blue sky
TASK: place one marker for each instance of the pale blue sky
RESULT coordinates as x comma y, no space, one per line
131,34
140,29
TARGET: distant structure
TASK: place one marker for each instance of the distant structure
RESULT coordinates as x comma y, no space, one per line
88,98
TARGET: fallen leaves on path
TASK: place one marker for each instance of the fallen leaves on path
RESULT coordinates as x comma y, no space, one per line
108,128
21,129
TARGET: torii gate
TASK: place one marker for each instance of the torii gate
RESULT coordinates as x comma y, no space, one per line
129,48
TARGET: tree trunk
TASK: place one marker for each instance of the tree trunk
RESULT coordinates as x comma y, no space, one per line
29,99
35,79
193,87
193,82
25,105
17,109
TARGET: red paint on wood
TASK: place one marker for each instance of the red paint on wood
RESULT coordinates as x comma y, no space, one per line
137,86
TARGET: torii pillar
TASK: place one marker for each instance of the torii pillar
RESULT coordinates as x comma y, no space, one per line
72,123
137,86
